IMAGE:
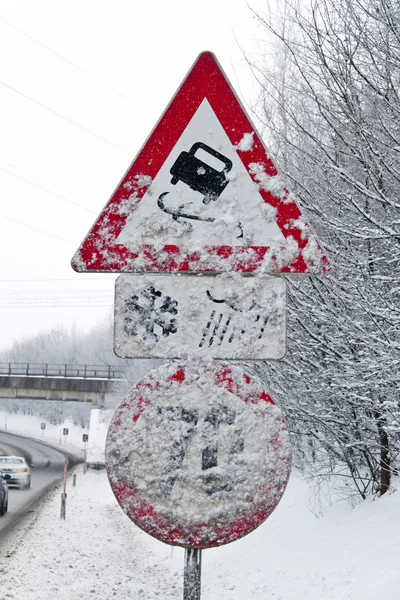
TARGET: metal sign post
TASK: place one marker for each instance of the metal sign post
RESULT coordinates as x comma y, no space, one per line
192,574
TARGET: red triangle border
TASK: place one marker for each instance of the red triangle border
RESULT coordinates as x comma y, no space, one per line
100,253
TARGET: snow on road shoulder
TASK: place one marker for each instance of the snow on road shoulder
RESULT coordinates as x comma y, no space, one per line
97,553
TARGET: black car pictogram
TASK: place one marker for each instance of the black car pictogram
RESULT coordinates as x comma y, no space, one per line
200,176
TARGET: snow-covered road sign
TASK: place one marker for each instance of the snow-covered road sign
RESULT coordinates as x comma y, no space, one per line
198,454
202,196
225,316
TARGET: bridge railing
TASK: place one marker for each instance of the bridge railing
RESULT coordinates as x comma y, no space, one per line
56,370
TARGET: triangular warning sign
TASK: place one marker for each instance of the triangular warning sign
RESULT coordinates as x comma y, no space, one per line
202,196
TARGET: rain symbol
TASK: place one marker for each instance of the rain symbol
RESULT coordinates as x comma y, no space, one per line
229,326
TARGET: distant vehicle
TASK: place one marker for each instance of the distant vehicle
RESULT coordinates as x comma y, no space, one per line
18,468
97,465
3,492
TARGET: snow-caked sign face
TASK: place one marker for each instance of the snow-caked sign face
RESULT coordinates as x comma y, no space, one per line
202,196
198,455
226,316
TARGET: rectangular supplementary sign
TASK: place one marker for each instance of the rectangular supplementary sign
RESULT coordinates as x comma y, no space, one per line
177,316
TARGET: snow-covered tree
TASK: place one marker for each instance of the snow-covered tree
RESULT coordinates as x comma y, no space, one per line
331,113
62,346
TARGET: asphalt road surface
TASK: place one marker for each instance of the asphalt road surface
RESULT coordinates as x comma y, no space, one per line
48,468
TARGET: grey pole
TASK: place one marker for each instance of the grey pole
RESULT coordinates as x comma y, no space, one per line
192,574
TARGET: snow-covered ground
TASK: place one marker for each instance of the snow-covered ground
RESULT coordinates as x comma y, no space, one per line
97,553
301,552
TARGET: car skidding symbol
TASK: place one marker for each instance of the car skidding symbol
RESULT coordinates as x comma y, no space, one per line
200,177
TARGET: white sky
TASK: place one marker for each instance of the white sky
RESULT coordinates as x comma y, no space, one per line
60,164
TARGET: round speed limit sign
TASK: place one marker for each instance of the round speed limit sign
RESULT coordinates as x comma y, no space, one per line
198,455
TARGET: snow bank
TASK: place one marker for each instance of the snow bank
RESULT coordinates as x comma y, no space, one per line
99,422
349,554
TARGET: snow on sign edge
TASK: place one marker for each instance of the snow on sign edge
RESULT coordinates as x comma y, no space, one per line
251,324
302,252
123,458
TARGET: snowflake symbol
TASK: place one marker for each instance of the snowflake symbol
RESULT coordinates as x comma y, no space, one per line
148,313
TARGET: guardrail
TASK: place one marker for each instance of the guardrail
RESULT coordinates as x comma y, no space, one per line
54,370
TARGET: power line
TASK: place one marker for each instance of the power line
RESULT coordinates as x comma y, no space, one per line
37,229
76,66
20,299
64,118
25,295
40,178
57,305
48,191
55,298
45,295
64,293
80,280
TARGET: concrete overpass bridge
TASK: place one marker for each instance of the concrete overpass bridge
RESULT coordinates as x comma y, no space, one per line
45,381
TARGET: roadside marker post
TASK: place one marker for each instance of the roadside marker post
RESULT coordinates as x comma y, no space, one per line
205,228
65,433
64,492
85,439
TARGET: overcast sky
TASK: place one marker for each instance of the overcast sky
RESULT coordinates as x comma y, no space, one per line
82,84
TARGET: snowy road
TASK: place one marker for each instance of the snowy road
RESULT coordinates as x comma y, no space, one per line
48,465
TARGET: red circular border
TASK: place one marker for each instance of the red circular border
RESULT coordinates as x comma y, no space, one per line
142,512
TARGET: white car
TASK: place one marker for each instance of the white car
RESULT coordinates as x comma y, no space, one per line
18,468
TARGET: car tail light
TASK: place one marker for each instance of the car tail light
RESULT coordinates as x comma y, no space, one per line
25,470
